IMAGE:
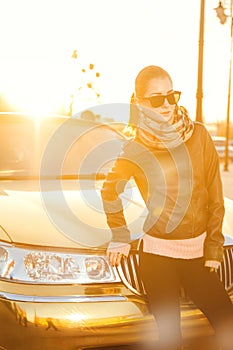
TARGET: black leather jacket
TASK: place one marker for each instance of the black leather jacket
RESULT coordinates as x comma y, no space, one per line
182,190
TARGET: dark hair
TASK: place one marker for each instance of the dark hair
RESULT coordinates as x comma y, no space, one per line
145,75
141,81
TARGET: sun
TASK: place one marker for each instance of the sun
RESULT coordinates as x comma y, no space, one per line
42,86
38,86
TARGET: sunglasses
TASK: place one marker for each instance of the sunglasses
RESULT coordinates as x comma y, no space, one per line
158,101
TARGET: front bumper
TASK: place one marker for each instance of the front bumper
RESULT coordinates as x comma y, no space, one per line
78,317
83,316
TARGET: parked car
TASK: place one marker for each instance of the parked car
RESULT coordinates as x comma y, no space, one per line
220,146
57,289
222,151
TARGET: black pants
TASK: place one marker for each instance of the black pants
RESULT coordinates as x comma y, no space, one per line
163,278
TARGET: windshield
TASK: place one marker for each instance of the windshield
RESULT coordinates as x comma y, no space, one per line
56,147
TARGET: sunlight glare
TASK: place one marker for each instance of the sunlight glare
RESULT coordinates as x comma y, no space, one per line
38,74
38,87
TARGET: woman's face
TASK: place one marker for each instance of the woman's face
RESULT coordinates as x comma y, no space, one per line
158,87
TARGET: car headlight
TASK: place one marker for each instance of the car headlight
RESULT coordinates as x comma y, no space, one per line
34,266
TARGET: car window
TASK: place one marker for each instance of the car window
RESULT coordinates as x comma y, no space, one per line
56,147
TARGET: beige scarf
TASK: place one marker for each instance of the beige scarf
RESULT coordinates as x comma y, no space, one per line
161,134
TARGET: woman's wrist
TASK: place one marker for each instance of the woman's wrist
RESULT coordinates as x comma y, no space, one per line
121,247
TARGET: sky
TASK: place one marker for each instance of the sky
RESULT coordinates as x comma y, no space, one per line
119,37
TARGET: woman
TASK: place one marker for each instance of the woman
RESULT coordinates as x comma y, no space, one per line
176,168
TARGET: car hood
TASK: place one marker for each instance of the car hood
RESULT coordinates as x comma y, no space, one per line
68,214
58,214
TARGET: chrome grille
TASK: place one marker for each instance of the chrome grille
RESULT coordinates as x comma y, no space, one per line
226,269
129,271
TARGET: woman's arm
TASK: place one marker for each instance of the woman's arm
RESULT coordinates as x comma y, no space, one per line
213,248
113,186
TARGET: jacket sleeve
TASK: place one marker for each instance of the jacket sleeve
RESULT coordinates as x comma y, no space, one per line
213,247
113,186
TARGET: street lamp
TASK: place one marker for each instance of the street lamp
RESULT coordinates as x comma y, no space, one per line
220,12
199,94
